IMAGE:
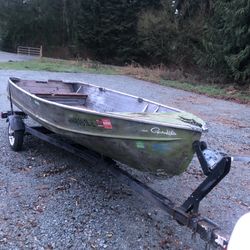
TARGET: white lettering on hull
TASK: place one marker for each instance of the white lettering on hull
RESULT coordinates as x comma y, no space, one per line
158,131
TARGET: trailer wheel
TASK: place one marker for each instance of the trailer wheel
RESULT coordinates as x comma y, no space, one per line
203,145
15,138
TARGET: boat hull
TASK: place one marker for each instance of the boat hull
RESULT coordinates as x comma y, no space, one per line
150,147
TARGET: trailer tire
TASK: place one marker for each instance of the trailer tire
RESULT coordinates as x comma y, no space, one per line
15,138
203,145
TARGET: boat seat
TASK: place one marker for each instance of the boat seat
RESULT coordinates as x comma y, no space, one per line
72,99
145,108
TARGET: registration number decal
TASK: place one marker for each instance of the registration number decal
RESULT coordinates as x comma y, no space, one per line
104,123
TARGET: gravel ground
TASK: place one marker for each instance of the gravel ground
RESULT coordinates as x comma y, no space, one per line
6,57
50,199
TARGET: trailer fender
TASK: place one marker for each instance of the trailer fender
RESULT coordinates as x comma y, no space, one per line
16,122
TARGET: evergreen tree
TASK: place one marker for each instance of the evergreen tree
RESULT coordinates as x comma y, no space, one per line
109,28
211,33
226,46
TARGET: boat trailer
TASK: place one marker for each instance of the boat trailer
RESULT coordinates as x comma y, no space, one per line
214,165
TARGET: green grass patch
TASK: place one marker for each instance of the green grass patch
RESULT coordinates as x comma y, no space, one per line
60,66
228,92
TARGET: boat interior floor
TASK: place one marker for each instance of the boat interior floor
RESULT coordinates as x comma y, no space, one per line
56,91
91,97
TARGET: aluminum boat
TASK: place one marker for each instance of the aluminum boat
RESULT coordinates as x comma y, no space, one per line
143,134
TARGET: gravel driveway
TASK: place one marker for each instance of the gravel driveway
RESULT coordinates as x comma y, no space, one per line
50,199
6,57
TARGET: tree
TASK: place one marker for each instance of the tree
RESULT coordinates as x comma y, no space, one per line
109,28
170,35
226,45
34,22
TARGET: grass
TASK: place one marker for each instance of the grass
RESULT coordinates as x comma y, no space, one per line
53,65
160,74
228,92
180,80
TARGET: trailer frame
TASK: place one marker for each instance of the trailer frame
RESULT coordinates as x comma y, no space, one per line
186,215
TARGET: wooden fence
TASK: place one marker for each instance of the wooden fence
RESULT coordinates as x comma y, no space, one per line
30,51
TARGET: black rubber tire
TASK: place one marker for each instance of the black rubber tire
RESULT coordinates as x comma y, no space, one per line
15,139
203,145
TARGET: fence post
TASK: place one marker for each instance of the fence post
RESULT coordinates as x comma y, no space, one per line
41,51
